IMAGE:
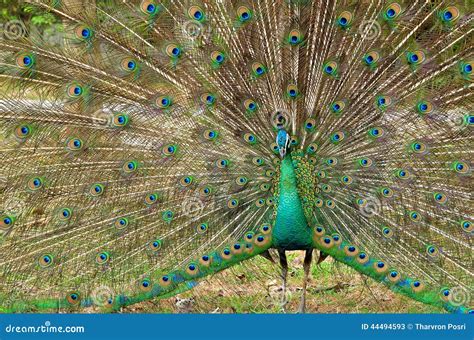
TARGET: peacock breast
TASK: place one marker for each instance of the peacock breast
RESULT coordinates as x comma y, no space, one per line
291,230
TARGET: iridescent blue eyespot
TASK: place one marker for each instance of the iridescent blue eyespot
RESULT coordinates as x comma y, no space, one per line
27,61
86,33
244,14
46,260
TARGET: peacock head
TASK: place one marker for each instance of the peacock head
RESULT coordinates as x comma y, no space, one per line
283,142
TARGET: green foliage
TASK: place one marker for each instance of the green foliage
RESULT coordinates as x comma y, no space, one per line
17,10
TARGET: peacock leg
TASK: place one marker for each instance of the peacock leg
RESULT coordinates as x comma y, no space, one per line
284,274
306,265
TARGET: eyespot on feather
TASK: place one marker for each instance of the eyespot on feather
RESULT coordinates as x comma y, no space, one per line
196,13
244,14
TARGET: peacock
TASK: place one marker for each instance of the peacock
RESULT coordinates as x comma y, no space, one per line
160,142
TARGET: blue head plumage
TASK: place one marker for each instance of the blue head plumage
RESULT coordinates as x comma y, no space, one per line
283,142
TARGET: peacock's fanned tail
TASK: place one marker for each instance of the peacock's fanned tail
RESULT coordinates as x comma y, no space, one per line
138,150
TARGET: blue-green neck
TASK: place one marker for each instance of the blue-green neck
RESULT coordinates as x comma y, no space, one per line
291,231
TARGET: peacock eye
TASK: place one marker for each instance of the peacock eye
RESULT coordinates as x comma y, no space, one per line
102,258
35,183
376,132
65,214
330,68
295,37
416,57
250,105
344,19
440,198
365,162
450,14
96,190
22,132
45,260
461,167
121,223
155,245
74,144
244,14
241,180
232,203
169,149
167,216
258,69
120,120
392,11
130,167
173,51
186,181
85,33
337,137
250,138
338,107
292,91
